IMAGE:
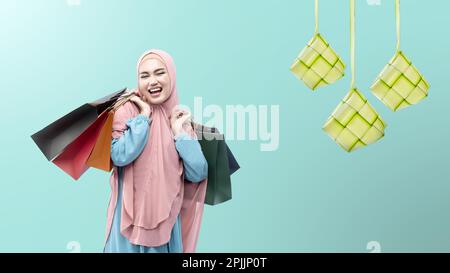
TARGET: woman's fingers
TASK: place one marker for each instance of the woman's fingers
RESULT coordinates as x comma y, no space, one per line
177,112
180,112
185,119
186,116
136,100
178,119
143,106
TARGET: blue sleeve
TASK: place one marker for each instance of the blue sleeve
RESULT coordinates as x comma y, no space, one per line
195,165
129,146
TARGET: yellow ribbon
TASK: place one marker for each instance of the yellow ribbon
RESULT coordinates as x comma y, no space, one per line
316,14
352,40
397,19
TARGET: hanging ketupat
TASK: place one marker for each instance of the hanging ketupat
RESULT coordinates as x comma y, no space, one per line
318,64
400,84
354,123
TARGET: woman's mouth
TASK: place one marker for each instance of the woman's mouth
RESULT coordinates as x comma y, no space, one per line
154,92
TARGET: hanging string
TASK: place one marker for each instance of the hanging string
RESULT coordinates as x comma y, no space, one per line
352,40
397,19
316,13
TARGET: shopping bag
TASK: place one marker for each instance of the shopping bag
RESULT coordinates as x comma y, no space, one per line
73,159
54,138
214,149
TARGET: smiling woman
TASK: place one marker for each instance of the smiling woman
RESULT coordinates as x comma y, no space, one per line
154,78
159,178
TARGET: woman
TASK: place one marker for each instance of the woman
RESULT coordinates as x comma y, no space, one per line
159,178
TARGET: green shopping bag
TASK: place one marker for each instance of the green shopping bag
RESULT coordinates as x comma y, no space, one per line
214,149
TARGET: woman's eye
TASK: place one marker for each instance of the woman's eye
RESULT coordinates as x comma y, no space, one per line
144,76
160,73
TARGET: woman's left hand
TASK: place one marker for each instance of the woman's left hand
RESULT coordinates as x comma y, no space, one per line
178,118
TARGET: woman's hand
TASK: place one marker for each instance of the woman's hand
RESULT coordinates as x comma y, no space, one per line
179,118
144,107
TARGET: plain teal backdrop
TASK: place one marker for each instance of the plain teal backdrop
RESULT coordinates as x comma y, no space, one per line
309,195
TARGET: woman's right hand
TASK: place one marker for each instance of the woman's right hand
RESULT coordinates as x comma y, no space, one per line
144,107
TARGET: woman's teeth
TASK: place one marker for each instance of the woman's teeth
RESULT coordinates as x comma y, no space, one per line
155,90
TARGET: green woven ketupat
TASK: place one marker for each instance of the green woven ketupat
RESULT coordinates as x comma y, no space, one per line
354,123
400,84
318,64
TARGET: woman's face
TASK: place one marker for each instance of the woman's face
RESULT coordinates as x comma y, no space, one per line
154,80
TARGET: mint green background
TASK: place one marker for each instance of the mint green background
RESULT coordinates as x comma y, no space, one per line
308,196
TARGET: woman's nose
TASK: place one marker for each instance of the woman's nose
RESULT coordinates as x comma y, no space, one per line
153,81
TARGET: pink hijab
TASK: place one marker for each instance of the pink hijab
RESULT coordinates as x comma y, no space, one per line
154,189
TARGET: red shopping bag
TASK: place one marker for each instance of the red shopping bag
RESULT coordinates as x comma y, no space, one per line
73,159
